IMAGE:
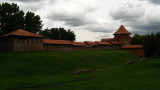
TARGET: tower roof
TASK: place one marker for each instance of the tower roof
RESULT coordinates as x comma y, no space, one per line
122,30
21,33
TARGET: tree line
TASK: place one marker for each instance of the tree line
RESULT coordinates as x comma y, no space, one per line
58,34
150,42
12,18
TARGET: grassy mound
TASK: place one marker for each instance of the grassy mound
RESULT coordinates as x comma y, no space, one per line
29,69
139,76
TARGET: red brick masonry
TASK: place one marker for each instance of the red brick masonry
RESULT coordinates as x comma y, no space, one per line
21,40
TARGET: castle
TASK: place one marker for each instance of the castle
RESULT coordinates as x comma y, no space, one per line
21,40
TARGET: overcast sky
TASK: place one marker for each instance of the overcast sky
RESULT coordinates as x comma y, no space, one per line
92,20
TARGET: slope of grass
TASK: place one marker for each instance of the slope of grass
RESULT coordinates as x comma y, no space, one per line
27,69
139,76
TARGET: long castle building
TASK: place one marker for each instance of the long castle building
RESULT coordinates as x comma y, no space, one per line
21,40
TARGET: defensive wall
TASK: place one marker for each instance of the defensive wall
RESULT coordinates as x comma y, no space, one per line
21,40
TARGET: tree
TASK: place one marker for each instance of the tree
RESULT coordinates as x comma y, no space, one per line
137,39
45,33
158,43
17,21
11,18
58,34
33,22
9,14
55,34
71,35
150,43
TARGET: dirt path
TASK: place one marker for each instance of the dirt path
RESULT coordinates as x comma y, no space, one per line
49,85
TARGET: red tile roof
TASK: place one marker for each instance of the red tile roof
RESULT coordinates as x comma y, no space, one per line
122,30
115,42
91,43
103,43
132,46
21,33
49,41
79,44
107,39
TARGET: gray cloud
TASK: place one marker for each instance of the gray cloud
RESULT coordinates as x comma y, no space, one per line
147,27
153,1
70,19
97,27
27,0
151,28
35,1
73,15
151,22
32,5
128,12
143,26
140,21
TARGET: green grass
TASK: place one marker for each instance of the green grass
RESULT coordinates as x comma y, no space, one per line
55,69
139,76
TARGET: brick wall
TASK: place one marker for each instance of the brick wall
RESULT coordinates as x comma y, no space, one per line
36,44
6,44
124,39
28,44
21,44
53,47
137,52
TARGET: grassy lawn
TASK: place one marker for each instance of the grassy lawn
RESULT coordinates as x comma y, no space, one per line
54,70
139,76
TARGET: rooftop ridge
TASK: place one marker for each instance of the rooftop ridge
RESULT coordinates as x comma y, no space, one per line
122,30
21,32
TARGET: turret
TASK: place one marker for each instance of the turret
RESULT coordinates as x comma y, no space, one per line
122,36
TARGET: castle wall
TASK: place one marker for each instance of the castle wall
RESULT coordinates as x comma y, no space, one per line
114,47
6,44
138,52
36,44
21,44
56,47
124,39
28,44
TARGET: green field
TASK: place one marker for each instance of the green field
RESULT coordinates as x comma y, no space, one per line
54,71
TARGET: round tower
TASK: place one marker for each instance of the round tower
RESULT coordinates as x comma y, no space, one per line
122,36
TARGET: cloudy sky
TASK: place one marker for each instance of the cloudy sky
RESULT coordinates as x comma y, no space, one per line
92,20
